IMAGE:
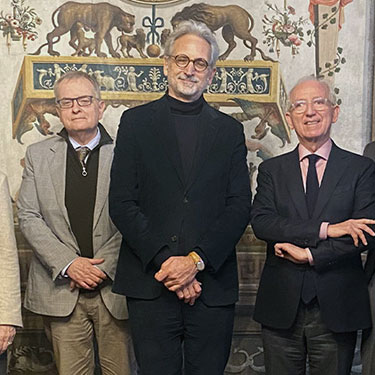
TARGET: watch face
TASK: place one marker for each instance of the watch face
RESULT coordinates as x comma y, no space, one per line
200,266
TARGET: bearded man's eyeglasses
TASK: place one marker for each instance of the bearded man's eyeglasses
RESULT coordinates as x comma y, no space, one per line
182,61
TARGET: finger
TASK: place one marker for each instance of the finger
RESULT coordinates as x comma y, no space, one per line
160,275
365,221
362,237
84,285
96,260
197,288
174,287
368,230
180,294
355,238
72,285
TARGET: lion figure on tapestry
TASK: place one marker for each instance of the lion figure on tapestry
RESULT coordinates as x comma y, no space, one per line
234,21
101,18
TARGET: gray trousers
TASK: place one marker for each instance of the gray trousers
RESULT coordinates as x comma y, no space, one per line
368,337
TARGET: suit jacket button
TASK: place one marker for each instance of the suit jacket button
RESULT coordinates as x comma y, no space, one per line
174,238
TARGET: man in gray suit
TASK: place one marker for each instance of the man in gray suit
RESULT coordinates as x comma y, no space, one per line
10,296
63,213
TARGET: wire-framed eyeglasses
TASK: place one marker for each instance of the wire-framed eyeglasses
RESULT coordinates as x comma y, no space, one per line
319,104
182,61
82,101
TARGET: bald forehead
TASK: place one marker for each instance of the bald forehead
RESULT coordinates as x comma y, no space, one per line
306,87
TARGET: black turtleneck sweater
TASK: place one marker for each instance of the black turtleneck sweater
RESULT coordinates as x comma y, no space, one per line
185,117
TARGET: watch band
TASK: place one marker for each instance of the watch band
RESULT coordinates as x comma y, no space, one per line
197,260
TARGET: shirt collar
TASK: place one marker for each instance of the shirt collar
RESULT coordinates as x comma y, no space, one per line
91,145
323,151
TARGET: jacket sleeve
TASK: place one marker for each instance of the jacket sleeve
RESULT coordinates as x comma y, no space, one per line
333,250
47,247
123,198
219,241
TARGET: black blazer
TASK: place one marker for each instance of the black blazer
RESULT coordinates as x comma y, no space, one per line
369,152
149,199
280,214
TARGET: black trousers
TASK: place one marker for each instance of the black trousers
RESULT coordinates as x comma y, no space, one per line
3,363
174,338
328,353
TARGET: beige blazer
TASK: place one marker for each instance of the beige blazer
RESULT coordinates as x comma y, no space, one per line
45,224
10,295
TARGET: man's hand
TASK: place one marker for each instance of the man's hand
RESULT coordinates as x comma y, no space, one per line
291,252
176,272
84,274
352,227
190,292
7,334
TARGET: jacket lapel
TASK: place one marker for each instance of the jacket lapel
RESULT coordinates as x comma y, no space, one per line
102,187
334,170
293,176
57,165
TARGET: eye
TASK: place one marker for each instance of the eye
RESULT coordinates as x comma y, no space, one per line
201,63
182,59
86,100
65,102
299,104
319,101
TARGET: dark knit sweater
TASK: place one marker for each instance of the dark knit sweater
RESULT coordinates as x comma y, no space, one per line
80,192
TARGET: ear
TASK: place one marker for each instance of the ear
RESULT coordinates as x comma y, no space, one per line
335,113
289,120
211,76
58,110
101,107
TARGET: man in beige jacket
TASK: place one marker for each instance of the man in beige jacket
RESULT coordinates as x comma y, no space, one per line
10,297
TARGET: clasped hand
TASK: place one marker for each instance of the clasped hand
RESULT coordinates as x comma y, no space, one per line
84,273
7,334
177,274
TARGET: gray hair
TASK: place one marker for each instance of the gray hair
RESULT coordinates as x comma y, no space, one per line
195,28
322,81
73,75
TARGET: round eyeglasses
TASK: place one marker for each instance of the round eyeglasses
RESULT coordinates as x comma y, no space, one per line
82,101
182,61
319,104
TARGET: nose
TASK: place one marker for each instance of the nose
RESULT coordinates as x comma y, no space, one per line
75,108
310,109
190,69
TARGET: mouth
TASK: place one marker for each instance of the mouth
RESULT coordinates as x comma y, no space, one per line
187,79
312,122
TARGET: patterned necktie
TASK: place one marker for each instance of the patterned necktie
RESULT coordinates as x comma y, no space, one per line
82,153
312,191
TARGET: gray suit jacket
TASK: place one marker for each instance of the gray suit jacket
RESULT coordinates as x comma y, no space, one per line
45,224
10,295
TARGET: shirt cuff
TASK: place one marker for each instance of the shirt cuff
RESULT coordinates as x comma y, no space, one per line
63,272
323,231
309,256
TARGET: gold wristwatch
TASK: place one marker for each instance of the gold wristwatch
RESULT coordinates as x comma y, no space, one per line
197,260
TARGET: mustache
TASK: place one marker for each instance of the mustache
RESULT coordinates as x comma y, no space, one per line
187,78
